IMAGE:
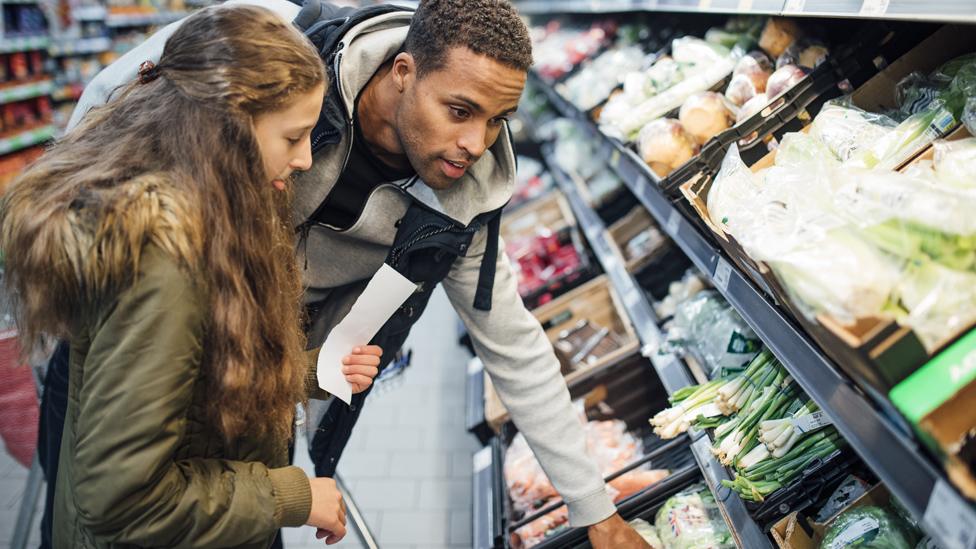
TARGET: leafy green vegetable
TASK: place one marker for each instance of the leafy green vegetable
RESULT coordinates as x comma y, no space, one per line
869,527
692,520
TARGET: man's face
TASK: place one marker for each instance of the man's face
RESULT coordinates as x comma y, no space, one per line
446,119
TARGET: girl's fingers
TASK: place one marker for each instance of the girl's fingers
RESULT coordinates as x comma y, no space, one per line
357,369
365,360
360,381
374,350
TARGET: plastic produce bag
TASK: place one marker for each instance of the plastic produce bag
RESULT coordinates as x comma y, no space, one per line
648,532
665,145
955,163
692,520
705,115
846,129
783,80
868,527
708,325
941,302
803,53
749,77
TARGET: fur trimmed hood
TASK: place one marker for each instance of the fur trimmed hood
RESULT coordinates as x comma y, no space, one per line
65,248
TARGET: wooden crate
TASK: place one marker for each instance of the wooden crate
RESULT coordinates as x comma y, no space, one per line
594,301
625,229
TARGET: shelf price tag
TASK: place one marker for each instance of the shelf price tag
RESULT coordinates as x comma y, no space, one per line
874,7
947,515
475,366
481,459
674,221
722,275
812,422
632,298
615,160
794,6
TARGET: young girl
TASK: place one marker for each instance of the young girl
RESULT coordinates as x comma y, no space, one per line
155,238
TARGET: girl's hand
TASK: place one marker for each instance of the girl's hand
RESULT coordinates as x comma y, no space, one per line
361,367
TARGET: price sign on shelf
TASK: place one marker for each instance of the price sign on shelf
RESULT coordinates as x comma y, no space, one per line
874,8
948,516
812,422
794,6
615,159
674,221
723,273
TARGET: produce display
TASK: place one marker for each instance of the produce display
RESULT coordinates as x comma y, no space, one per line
850,237
869,527
707,327
543,259
765,428
558,50
607,442
531,180
584,344
680,291
691,520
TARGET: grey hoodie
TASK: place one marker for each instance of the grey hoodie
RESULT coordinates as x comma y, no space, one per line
509,340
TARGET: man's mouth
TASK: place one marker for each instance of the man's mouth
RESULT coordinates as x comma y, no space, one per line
453,169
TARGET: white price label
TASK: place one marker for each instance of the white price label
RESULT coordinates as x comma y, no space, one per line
710,410
812,422
948,516
615,159
674,221
854,532
481,459
794,6
874,7
722,275
475,366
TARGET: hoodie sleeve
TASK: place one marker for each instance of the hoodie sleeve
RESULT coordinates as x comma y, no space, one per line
525,373
133,483
125,69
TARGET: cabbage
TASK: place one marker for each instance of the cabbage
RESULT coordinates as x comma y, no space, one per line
868,527
692,520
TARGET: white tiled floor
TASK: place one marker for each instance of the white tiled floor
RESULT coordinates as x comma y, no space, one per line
408,465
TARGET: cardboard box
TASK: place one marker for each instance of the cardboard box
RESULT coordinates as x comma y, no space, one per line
796,531
551,211
594,301
938,401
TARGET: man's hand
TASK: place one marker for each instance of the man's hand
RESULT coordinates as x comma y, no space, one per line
361,367
614,533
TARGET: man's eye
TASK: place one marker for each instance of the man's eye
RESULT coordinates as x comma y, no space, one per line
294,141
460,113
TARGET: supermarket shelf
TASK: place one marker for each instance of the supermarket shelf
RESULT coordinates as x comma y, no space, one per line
28,43
745,530
916,10
81,46
144,19
26,139
672,372
487,517
884,445
89,13
25,91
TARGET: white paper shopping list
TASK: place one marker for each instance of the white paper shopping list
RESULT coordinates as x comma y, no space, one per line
382,297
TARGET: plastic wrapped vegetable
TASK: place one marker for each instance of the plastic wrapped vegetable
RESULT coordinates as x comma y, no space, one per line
868,527
778,35
783,79
749,77
704,116
691,520
941,302
955,162
708,325
803,53
846,129
648,532
665,145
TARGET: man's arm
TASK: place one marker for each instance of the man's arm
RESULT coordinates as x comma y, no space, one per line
525,373
125,69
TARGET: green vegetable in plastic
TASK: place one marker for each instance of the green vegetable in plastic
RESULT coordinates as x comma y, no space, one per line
869,527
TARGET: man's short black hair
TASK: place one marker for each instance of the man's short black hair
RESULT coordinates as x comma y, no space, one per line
486,27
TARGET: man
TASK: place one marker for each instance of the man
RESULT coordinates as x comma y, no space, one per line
412,164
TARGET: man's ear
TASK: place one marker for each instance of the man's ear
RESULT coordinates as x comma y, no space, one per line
404,71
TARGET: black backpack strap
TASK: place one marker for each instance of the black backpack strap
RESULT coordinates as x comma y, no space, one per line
486,276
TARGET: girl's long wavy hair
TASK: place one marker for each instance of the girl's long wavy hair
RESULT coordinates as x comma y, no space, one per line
174,162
